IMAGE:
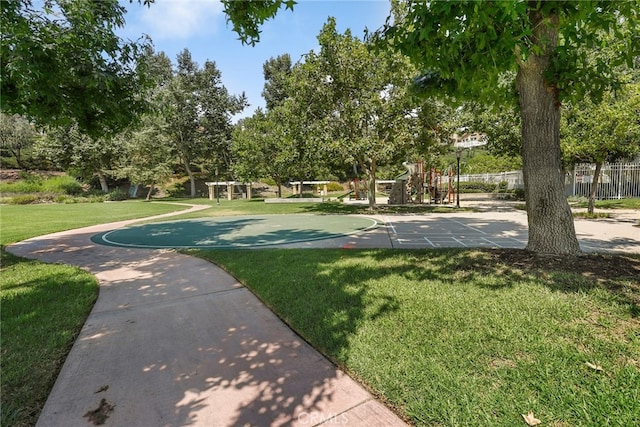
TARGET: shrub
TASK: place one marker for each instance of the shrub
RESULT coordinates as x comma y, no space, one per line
477,187
334,186
269,181
20,187
64,198
116,196
63,184
176,190
29,177
519,193
22,199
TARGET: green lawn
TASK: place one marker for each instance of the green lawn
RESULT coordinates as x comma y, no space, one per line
21,222
611,204
259,207
43,309
457,337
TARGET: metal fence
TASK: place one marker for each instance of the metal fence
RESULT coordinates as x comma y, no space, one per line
513,179
617,180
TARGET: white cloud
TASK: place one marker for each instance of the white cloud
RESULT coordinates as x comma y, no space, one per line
180,19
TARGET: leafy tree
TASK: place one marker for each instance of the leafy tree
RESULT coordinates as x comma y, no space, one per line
501,126
436,123
146,157
262,148
71,149
62,63
16,135
247,16
276,72
197,109
360,100
484,162
468,48
600,132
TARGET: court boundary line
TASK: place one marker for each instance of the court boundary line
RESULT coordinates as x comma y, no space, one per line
104,238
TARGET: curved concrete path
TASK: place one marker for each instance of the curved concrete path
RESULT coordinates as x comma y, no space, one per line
173,340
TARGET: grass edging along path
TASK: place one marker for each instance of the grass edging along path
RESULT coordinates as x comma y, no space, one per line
466,337
45,305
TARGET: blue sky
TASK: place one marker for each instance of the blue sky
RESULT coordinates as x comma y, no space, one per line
200,26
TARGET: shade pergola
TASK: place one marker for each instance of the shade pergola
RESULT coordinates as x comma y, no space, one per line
297,187
229,184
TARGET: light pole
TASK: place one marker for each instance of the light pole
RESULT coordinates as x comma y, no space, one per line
458,153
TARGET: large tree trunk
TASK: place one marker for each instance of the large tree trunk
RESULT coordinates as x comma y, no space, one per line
148,198
594,188
372,184
551,227
103,181
192,180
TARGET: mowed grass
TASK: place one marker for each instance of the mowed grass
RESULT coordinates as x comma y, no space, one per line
43,306
456,338
628,203
259,207
43,309
19,222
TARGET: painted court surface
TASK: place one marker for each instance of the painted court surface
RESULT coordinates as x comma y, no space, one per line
236,231
487,229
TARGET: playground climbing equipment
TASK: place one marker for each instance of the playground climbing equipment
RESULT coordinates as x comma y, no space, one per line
419,185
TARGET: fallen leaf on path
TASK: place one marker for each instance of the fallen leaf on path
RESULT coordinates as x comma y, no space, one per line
592,366
530,419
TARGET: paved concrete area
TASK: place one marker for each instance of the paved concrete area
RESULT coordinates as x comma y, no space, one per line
174,340
495,229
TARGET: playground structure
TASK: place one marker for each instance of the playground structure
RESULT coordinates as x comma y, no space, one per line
358,189
419,186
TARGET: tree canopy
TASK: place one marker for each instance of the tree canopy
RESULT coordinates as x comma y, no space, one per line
195,109
62,63
16,135
606,131
276,72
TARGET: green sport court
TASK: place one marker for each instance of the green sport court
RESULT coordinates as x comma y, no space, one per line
236,231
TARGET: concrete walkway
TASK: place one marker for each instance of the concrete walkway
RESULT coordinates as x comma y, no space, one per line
173,340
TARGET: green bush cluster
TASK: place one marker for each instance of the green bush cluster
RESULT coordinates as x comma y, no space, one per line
20,187
176,190
477,187
334,186
116,195
21,199
63,184
30,183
